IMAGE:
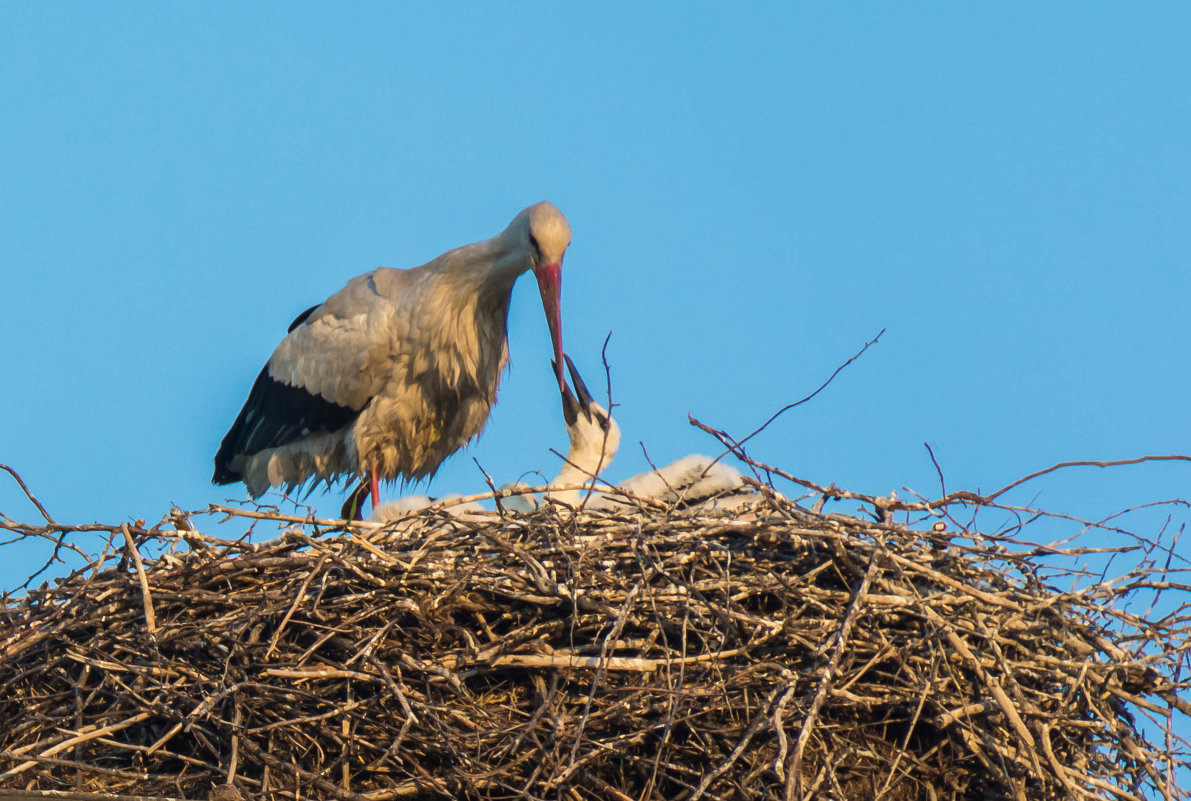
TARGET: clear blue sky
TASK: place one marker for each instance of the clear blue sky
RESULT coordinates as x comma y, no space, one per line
755,191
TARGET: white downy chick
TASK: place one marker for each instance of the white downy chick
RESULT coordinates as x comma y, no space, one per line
594,438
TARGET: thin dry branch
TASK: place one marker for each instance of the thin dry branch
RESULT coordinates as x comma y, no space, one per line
826,679
808,398
146,596
28,494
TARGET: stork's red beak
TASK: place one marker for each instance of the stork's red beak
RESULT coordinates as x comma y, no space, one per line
550,285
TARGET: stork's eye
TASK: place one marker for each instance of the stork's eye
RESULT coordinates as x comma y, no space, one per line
537,249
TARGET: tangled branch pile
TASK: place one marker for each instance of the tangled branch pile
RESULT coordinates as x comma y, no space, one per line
653,654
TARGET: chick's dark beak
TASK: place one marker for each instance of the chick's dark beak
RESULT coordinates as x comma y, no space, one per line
570,405
585,398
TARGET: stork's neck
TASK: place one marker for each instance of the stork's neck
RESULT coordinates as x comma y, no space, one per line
569,477
492,266
587,456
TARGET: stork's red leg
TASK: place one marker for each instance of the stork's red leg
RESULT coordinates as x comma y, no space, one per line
353,507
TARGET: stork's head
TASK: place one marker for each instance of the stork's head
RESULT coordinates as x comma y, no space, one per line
546,235
594,435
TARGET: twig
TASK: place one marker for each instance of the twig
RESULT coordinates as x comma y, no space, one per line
794,766
757,724
21,483
81,737
146,597
740,443
500,509
233,759
298,596
1061,465
75,795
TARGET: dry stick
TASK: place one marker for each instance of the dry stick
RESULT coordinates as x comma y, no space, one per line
75,795
59,541
831,491
946,510
235,756
1060,465
80,738
604,443
91,769
165,738
1103,785
395,688
826,771
318,781
960,496
779,728
29,494
294,606
567,659
1061,774
345,732
232,511
755,726
150,618
608,643
823,386
318,673
500,509
794,768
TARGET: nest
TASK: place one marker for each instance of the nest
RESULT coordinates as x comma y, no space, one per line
771,653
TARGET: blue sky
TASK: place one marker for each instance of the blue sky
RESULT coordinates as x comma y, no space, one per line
755,191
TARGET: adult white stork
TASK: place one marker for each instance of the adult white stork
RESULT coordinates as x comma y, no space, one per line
396,371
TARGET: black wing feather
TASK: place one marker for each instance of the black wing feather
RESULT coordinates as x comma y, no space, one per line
274,414
301,318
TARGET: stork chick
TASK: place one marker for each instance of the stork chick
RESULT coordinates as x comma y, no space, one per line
594,437
694,480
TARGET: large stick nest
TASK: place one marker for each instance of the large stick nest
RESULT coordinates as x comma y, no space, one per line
654,654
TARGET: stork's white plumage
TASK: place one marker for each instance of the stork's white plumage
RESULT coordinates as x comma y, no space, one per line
594,437
409,505
693,480
398,370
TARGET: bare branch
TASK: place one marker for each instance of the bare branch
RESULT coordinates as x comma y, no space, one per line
1061,465
740,443
21,482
